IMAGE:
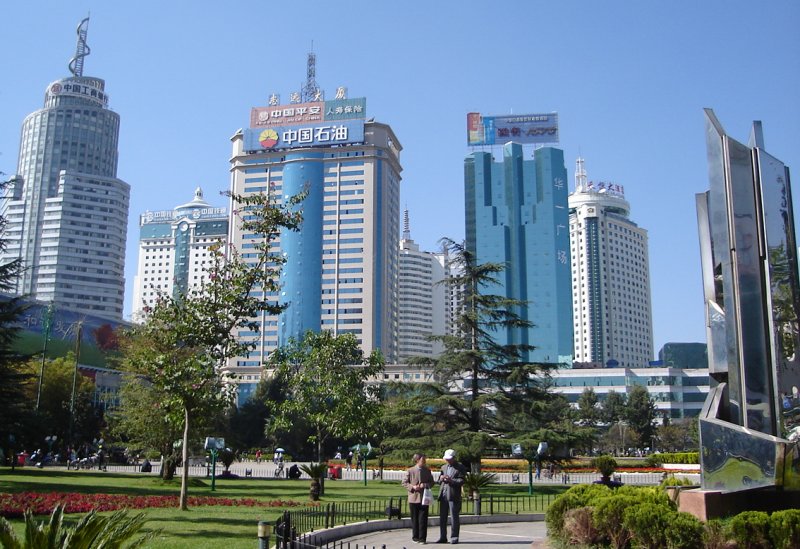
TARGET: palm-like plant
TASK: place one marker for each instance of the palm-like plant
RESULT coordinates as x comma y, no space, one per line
475,482
91,532
317,473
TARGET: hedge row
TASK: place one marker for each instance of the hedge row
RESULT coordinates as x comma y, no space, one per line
657,460
595,515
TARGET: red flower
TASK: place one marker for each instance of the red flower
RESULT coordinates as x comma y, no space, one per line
15,505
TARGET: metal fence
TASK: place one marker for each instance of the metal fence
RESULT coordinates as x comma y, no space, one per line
291,528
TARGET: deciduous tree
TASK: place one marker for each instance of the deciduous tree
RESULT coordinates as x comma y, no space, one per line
326,380
188,337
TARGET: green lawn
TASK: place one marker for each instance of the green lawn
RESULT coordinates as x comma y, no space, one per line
209,526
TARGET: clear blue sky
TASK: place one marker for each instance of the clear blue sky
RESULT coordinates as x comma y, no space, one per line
628,79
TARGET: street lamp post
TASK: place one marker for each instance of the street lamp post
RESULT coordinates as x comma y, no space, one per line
47,322
78,333
50,440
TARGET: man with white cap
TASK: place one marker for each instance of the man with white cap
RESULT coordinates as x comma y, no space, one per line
450,481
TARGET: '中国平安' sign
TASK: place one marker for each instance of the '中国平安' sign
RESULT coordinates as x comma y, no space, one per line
308,113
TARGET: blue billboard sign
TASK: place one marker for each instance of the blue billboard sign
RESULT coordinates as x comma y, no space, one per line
312,135
524,128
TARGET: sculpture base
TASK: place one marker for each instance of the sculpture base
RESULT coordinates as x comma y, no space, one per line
711,504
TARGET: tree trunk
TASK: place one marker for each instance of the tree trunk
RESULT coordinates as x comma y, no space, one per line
185,473
319,460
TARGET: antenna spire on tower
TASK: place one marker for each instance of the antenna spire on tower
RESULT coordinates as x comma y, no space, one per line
81,50
406,226
580,175
310,90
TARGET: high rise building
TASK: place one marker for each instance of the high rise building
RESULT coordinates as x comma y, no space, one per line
342,265
175,249
421,297
610,277
516,215
67,212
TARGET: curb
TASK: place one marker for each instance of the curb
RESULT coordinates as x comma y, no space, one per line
357,528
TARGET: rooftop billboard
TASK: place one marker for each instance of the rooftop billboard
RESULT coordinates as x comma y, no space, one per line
312,135
520,128
308,113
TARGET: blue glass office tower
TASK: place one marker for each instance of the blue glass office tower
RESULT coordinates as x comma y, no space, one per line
517,215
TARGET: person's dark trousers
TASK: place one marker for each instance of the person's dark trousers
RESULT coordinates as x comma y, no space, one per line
453,508
419,521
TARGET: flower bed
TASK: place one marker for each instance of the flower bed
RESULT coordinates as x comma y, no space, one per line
15,505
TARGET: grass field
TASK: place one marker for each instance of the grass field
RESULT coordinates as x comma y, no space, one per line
208,526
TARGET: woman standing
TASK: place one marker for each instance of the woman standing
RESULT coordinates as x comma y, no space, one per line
418,479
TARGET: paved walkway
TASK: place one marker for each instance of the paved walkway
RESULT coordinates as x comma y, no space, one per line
508,535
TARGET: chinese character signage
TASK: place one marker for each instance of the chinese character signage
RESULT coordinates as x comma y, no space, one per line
315,135
85,88
167,216
305,113
525,128
610,188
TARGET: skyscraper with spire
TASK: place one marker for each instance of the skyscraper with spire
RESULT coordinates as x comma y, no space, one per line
421,298
341,267
610,277
66,209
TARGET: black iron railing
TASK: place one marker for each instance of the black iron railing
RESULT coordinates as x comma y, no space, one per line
291,527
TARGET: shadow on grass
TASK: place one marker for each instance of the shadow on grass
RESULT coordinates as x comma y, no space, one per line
205,520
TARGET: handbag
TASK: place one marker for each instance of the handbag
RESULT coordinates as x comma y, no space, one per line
427,496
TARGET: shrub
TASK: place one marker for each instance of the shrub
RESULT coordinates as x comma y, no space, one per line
647,523
648,494
672,480
606,465
784,528
608,516
581,495
716,535
579,527
684,531
750,530
555,514
657,460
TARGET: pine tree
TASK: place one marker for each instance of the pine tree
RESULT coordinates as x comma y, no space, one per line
15,408
488,387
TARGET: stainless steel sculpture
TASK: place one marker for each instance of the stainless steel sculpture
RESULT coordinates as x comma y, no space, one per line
750,423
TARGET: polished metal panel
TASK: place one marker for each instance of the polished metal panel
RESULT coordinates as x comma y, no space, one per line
750,423
749,295
783,295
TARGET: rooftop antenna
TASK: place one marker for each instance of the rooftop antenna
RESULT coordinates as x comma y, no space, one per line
81,50
580,175
310,89
406,225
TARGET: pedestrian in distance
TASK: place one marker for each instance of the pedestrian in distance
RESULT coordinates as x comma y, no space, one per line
419,482
450,482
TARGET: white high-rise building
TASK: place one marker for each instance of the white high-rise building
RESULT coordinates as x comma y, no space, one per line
421,297
612,313
66,211
175,249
